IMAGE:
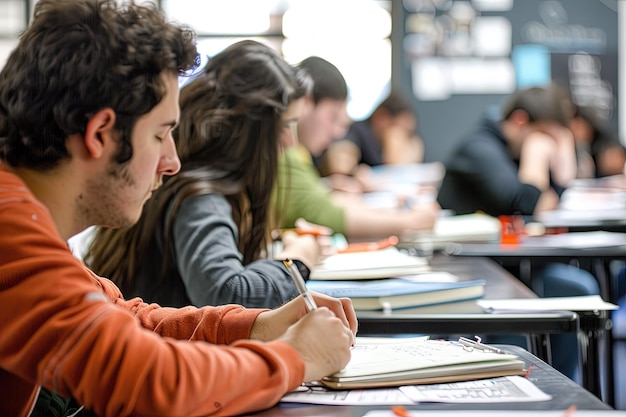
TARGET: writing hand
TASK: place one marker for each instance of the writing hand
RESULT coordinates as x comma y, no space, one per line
272,324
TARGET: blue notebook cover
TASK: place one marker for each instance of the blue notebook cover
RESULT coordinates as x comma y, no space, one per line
399,293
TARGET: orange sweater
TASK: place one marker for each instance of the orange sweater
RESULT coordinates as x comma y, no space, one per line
68,330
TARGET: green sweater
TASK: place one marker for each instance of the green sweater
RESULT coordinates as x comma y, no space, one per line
299,184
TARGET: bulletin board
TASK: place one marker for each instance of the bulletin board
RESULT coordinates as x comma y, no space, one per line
460,58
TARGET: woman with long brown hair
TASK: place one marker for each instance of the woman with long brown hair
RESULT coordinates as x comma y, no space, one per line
202,237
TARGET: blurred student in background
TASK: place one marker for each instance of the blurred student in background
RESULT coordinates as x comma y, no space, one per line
518,163
300,192
388,136
599,153
203,237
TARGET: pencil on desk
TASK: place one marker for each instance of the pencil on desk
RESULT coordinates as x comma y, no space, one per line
312,232
370,246
400,411
570,411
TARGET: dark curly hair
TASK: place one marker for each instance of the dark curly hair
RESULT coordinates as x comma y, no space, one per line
76,58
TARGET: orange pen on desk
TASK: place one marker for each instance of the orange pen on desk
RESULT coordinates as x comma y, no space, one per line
400,411
312,232
370,246
305,228
570,411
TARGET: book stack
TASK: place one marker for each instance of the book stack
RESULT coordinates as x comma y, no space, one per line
383,263
397,293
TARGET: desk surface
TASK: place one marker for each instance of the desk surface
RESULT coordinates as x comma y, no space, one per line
498,284
610,220
596,245
564,393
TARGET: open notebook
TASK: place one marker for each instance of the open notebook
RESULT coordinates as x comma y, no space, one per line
381,362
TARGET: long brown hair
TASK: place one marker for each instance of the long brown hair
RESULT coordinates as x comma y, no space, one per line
228,143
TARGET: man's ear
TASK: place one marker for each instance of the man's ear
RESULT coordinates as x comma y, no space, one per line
519,117
100,133
308,104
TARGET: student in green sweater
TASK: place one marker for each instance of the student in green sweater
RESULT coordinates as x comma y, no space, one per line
300,191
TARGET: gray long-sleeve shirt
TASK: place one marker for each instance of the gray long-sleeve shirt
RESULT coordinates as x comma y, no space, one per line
206,266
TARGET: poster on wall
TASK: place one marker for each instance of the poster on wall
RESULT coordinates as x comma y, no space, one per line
461,57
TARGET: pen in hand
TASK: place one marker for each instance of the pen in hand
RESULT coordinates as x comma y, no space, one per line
300,285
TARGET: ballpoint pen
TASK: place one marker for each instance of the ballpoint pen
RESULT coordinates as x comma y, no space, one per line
300,285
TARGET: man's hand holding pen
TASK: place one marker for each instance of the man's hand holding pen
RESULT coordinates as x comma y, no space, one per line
322,337
320,328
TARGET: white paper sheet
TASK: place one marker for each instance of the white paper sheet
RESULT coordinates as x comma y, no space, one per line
495,390
499,413
580,303
325,396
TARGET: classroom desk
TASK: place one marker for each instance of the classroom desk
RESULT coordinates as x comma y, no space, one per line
595,335
590,204
498,284
582,221
564,393
593,256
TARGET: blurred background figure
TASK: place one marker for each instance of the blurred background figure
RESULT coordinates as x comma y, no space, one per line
300,192
388,136
517,161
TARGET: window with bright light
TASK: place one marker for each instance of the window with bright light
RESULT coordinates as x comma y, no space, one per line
12,18
352,34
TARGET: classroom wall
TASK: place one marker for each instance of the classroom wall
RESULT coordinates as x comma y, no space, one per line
497,46
524,43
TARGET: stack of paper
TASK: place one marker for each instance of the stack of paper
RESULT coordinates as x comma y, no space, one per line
477,228
580,303
383,263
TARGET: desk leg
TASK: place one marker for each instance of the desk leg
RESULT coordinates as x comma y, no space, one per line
593,338
590,374
602,272
539,345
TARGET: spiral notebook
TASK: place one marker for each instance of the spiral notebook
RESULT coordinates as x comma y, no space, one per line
384,362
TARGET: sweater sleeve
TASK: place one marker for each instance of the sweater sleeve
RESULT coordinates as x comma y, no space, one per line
189,323
299,193
211,266
77,338
490,173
